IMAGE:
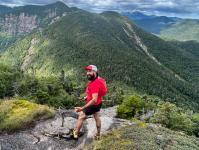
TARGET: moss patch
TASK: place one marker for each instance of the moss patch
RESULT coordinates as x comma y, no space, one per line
137,137
142,124
16,114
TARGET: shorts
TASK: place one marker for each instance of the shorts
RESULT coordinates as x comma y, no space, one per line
91,110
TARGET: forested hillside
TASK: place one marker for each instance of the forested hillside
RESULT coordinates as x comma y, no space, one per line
122,51
184,30
25,20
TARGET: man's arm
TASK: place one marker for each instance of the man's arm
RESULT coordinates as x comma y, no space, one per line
90,103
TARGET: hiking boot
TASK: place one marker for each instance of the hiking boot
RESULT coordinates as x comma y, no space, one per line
75,134
97,136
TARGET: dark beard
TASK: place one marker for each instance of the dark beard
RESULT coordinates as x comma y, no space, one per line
90,77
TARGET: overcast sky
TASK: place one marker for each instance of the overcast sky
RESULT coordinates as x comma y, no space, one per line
171,8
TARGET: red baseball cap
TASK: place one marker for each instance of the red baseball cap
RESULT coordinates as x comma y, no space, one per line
91,67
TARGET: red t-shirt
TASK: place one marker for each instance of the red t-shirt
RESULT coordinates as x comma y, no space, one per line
94,87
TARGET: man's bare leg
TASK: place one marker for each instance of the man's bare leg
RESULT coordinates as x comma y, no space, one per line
80,121
96,115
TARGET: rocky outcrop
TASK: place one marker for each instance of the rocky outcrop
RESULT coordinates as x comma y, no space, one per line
138,41
24,23
16,25
51,135
30,55
56,18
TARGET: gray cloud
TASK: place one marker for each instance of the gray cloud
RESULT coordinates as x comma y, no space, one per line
180,8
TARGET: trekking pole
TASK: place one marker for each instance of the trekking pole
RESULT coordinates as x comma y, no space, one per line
64,112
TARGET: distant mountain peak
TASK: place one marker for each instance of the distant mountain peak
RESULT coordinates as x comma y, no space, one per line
58,3
137,12
111,14
153,15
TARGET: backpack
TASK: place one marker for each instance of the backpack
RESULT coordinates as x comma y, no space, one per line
104,87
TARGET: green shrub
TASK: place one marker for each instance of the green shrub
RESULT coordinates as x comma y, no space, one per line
147,119
64,100
104,105
2,115
195,119
171,116
148,103
42,97
2,90
129,107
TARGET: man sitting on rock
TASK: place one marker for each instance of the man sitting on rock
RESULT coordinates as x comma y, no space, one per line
94,101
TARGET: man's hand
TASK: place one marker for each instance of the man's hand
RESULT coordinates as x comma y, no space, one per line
78,109
90,103
83,98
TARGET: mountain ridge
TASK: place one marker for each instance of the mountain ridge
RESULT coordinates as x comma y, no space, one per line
4,9
184,30
136,15
24,20
155,25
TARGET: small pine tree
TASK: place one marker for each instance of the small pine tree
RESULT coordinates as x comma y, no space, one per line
129,107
